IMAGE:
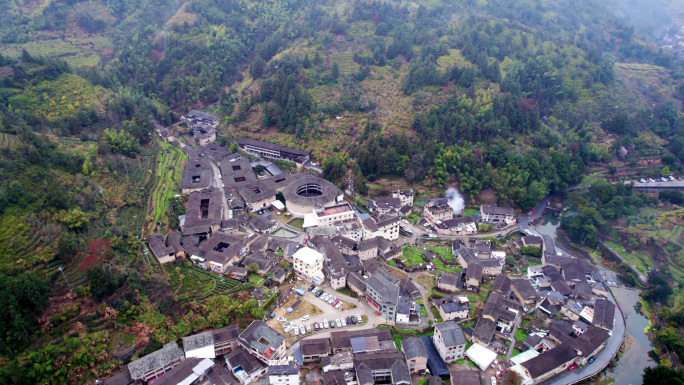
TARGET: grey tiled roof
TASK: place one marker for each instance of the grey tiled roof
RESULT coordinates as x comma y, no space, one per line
261,337
155,360
413,347
198,341
241,357
604,313
283,370
484,330
452,334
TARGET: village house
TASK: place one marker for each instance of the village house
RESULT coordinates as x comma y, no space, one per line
313,349
438,210
384,205
385,225
285,374
523,290
448,282
415,353
163,253
381,367
502,311
244,366
222,250
465,377
199,345
455,309
308,264
263,341
203,212
405,197
449,341
480,255
341,361
155,364
473,276
498,215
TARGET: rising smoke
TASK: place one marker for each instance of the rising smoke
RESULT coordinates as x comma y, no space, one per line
455,200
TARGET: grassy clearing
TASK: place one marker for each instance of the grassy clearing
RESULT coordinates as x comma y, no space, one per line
182,17
470,211
297,223
413,255
637,259
454,58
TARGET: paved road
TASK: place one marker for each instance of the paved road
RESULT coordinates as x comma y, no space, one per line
218,183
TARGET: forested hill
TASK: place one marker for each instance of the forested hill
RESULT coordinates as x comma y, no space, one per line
506,99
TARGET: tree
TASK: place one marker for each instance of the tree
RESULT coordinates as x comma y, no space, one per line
531,251
101,283
335,70
662,375
665,172
253,267
76,219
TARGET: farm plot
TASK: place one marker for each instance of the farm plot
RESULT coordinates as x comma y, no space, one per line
637,259
8,140
413,255
168,176
195,284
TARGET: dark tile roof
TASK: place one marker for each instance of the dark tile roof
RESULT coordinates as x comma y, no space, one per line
524,287
261,337
435,362
228,333
450,279
550,360
408,285
356,280
484,330
221,247
271,146
174,241
502,285
366,363
465,377
498,306
341,340
532,240
198,173
315,346
156,242
435,380
604,313
283,370
241,357
474,271
198,341
388,292
121,378
180,372
413,347
454,306
452,334
197,215
261,223
497,210
590,340
334,377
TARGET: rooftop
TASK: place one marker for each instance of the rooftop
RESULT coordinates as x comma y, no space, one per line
155,360
413,347
198,341
452,334
261,337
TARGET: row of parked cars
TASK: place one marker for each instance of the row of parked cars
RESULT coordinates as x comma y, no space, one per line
325,324
325,297
661,179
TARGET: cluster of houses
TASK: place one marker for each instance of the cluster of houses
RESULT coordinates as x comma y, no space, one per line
201,125
223,356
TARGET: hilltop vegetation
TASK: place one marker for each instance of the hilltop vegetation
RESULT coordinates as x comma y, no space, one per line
508,100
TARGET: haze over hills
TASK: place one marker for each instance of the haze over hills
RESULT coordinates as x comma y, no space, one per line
508,101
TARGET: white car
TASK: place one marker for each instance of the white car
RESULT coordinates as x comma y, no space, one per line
320,325
331,299
339,305
339,324
296,329
493,380
358,318
344,322
282,319
308,327
302,330
287,329
325,323
305,317
288,325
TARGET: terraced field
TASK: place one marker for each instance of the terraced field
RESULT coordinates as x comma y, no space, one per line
195,284
168,176
8,140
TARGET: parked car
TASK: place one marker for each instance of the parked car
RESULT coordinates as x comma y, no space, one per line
331,299
358,318
288,325
572,367
311,287
320,325
348,320
326,324
353,320
671,178
315,326
344,323
332,324
338,323
296,330
591,359
282,319
679,178
335,302
287,329
339,305
308,327
305,317
302,330
493,380
320,293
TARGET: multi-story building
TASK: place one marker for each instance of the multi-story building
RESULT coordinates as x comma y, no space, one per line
244,366
308,264
502,311
381,367
314,349
332,215
415,353
156,363
449,341
263,341
385,225
286,374
405,196
438,210
273,151
472,255
456,309
391,300
496,214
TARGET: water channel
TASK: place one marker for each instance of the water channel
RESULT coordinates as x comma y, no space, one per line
631,366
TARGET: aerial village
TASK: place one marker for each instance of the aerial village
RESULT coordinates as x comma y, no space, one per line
367,296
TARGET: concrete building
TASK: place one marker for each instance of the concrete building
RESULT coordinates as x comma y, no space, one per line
386,225
456,309
273,151
438,210
449,341
498,215
405,197
244,366
199,345
308,264
313,349
415,353
155,364
287,374
263,341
